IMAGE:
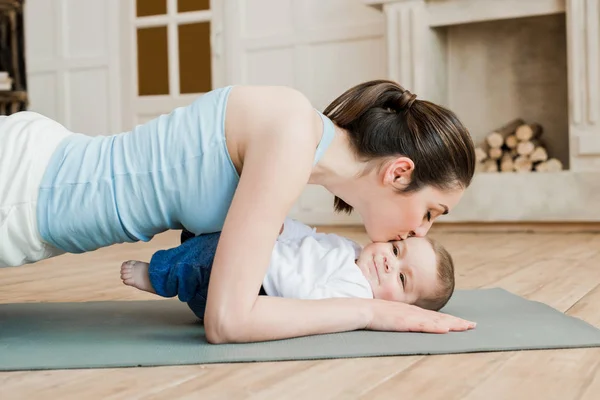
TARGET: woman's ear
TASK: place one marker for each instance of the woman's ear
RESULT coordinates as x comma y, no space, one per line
398,173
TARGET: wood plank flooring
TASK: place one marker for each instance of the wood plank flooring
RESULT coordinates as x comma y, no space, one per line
561,269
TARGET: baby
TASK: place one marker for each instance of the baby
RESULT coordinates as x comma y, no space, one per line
306,264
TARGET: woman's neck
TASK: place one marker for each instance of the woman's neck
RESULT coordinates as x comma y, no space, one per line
338,169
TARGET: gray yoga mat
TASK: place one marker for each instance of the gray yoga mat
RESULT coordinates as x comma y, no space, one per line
149,333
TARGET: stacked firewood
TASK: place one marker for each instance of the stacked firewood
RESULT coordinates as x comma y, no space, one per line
515,147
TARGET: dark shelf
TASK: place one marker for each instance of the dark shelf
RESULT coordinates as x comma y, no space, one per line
12,56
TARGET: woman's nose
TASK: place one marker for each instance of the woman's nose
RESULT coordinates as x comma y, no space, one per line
403,236
422,230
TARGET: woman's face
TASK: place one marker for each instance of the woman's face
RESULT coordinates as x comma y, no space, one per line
397,216
389,215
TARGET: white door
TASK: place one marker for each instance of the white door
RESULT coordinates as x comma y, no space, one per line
320,47
71,56
170,55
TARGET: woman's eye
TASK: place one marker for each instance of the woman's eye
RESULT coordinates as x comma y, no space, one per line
428,216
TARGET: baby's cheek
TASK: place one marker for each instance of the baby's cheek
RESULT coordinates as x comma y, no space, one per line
390,292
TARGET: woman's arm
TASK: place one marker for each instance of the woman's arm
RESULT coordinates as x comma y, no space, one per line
277,165
295,230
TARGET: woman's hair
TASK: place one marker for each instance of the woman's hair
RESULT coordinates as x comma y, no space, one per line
385,120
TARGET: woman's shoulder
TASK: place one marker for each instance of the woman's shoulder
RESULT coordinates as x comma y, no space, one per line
255,112
278,97
270,103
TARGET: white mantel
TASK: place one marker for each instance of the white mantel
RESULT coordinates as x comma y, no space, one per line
454,12
431,48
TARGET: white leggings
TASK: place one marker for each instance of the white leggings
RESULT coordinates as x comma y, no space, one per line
27,141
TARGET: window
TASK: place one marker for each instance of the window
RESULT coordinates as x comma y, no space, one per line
173,47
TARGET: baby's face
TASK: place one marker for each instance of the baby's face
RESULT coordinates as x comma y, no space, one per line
402,271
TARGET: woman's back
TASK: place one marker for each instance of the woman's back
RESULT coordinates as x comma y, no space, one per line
173,172
127,187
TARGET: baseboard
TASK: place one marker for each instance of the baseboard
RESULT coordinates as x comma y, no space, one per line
487,227
518,227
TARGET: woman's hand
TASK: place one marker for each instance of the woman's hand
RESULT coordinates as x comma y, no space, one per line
401,317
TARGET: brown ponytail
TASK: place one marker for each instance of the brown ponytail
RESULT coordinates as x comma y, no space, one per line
385,120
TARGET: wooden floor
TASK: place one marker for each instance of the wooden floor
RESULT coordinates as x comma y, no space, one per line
562,270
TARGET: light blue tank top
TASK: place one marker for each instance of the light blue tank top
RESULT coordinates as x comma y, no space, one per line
173,172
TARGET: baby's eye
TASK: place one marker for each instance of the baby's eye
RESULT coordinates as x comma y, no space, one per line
395,251
402,279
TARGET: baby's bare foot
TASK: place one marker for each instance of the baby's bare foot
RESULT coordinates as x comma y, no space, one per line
135,273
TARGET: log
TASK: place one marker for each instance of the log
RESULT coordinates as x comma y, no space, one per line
480,154
554,165
528,132
506,163
527,147
541,167
523,164
495,153
511,141
490,165
496,138
479,167
539,154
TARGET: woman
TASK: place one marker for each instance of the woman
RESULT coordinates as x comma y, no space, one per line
235,161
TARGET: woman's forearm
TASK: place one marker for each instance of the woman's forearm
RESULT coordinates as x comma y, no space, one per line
273,318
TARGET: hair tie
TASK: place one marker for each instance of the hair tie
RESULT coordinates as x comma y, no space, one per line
406,100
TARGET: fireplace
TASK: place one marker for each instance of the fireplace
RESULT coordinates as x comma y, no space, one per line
496,61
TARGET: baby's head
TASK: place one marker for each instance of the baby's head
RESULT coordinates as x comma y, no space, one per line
417,271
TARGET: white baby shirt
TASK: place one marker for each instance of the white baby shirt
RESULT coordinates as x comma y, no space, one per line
310,265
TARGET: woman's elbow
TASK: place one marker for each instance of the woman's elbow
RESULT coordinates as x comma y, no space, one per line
214,337
223,329
217,331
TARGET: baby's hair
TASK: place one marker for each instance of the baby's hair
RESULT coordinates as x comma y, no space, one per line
446,282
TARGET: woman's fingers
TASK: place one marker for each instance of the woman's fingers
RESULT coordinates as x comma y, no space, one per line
406,318
432,327
453,323
459,324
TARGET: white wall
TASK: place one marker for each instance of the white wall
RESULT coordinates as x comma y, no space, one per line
320,47
80,61
72,56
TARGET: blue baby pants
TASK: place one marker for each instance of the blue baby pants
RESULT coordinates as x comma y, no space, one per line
184,271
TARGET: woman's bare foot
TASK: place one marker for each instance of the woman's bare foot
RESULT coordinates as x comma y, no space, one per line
135,273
